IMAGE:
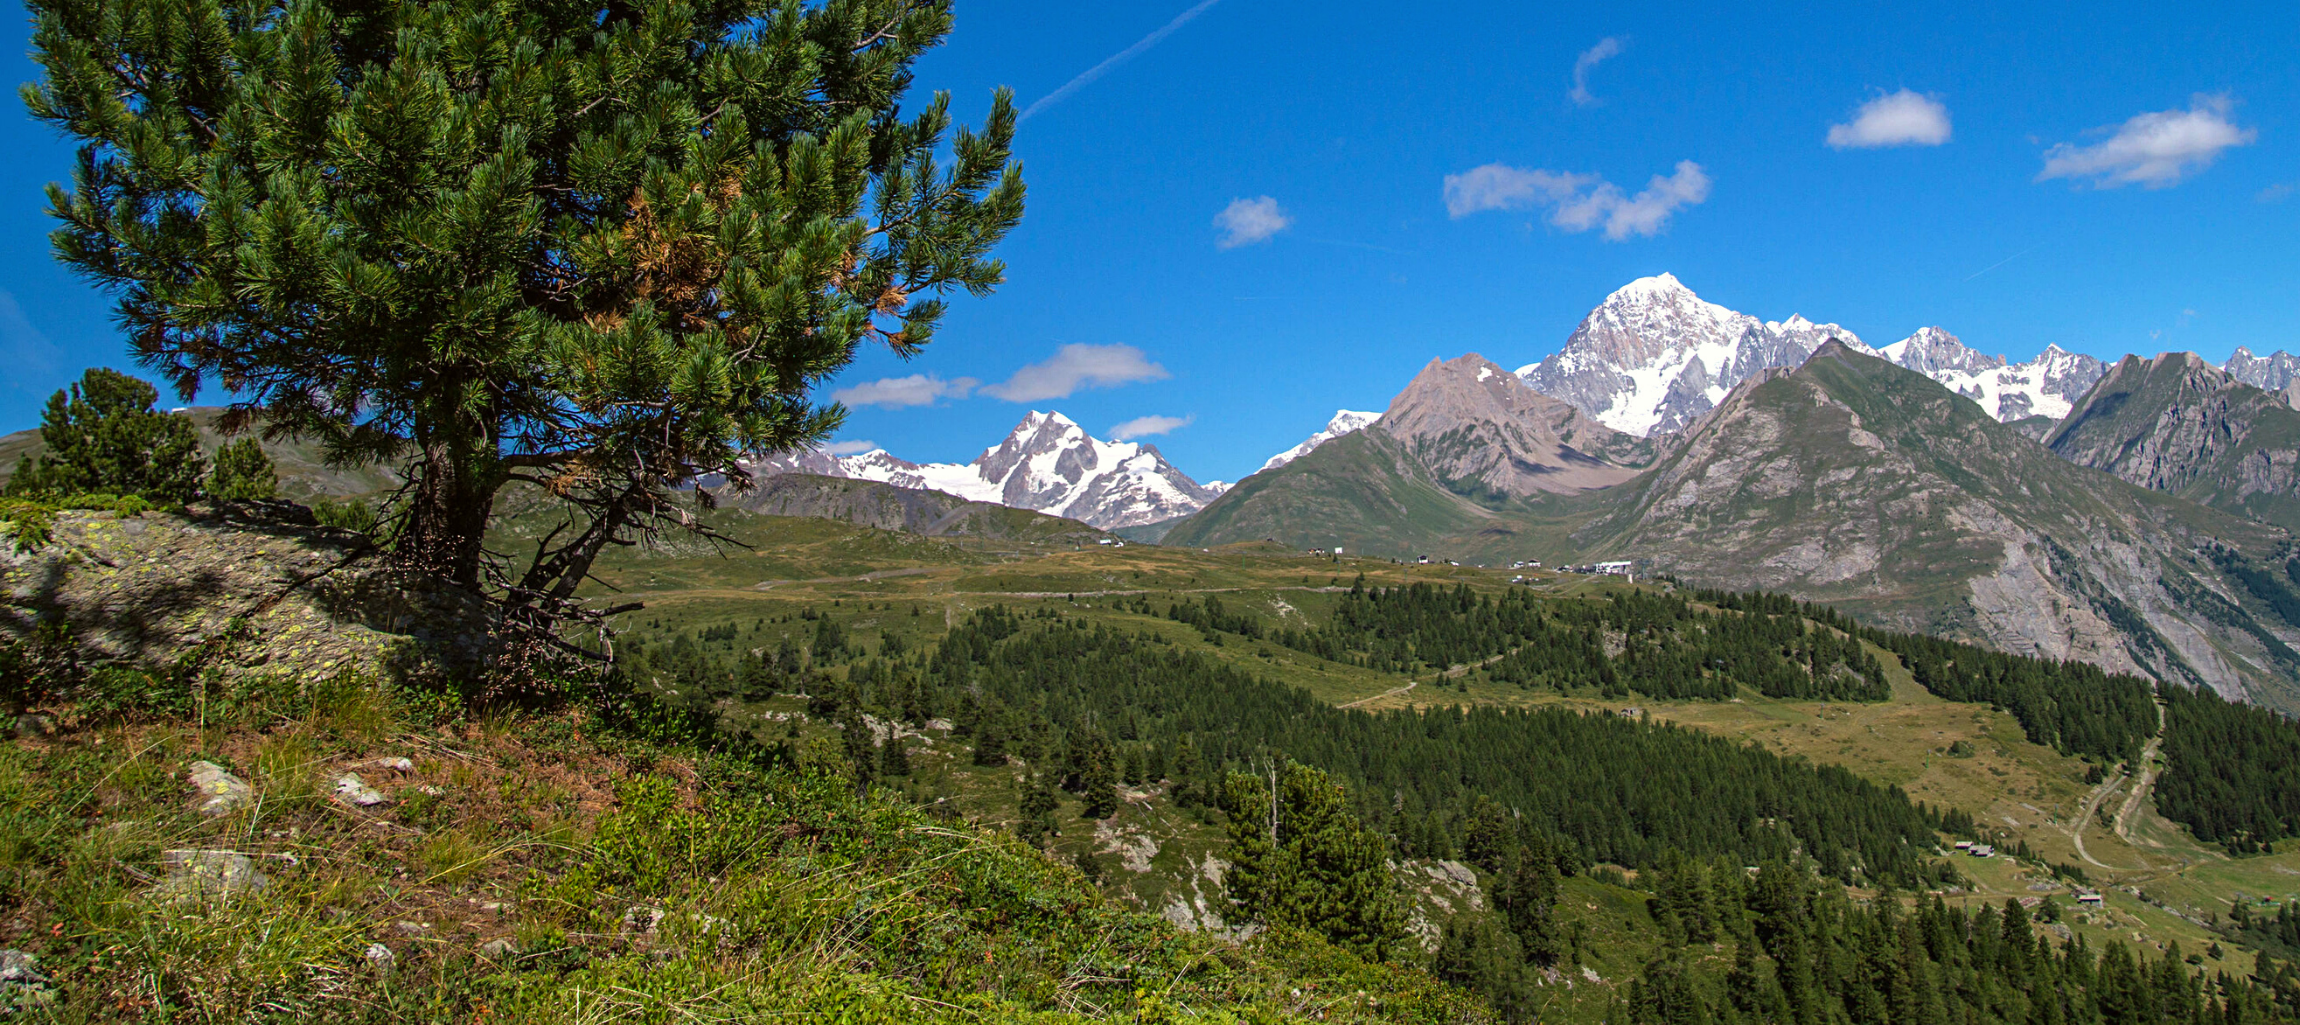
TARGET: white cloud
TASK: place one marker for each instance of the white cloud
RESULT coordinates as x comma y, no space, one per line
1578,202
1898,119
2277,192
896,392
1501,187
1146,426
1590,58
1077,366
2154,150
850,448
1247,221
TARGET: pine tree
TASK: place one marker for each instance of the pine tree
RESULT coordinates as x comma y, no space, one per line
242,471
1300,858
1037,804
894,758
103,436
1098,777
600,245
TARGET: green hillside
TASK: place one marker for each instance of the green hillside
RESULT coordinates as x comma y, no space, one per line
1693,736
2004,779
1363,493
1853,481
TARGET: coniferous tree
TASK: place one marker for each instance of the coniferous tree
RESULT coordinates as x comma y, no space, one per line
102,435
1098,777
1038,804
894,758
241,472
604,246
1479,955
1300,858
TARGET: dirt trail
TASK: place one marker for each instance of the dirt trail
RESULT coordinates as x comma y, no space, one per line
1392,692
2122,824
2148,774
1452,672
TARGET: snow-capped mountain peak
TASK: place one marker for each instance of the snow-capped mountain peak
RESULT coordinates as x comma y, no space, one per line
1932,349
2274,372
2045,386
1344,421
1653,357
1047,463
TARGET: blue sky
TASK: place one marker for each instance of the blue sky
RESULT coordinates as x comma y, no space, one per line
1326,134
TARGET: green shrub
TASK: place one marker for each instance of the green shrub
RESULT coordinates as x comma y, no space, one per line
29,525
103,436
351,514
242,472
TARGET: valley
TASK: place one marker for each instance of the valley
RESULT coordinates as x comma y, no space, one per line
2158,886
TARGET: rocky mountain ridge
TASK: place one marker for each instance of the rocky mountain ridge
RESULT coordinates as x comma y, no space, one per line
1483,431
1854,481
1654,356
2175,423
1848,479
1047,464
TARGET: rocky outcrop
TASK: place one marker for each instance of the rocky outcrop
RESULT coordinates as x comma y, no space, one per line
263,594
1853,481
2177,424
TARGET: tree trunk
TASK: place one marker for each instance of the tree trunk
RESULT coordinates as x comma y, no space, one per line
451,504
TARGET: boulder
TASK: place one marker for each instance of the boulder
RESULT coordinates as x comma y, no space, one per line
210,874
216,791
350,789
22,987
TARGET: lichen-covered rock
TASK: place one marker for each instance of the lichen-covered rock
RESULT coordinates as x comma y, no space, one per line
22,987
252,595
351,789
210,875
215,791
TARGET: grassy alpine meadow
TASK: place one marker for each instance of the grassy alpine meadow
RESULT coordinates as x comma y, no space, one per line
564,866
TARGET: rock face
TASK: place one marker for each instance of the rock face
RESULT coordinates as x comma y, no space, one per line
1482,433
2274,372
1344,422
916,510
1653,357
2176,424
273,596
1853,481
2045,386
1047,464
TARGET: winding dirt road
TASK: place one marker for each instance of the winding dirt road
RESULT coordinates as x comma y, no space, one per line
2122,824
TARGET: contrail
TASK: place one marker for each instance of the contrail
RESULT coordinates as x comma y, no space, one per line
2007,260
1088,76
